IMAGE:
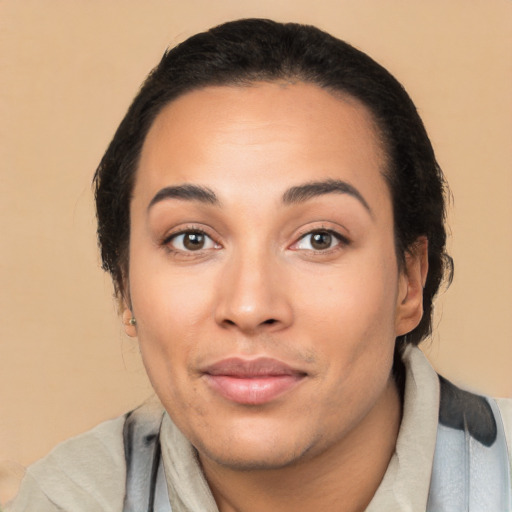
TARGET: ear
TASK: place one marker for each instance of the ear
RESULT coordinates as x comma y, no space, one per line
413,276
129,327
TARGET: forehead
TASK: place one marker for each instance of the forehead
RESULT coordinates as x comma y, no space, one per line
265,133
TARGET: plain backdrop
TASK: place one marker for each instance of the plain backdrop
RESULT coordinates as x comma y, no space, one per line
69,70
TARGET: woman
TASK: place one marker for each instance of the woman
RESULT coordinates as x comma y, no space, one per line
272,215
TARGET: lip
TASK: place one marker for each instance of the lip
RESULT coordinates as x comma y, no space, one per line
252,382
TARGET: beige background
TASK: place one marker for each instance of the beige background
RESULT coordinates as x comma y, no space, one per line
68,72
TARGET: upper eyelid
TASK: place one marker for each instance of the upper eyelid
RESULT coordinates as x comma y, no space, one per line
310,230
188,229
341,238
322,230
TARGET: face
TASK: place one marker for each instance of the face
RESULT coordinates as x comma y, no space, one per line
263,272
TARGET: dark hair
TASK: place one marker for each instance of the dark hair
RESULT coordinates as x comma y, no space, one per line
242,52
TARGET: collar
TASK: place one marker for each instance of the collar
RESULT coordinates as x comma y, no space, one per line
406,482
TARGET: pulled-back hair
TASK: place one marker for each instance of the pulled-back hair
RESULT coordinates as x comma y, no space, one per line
246,51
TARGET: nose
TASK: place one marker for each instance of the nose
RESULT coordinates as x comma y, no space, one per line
253,296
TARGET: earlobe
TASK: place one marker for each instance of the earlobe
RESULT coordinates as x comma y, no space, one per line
129,321
412,281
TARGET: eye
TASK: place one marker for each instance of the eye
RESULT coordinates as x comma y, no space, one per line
192,240
319,240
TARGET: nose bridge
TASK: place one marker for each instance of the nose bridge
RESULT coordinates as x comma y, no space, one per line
251,296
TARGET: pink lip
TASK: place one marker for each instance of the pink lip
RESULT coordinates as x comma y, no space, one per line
251,382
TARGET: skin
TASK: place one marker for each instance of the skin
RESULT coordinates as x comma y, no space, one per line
258,287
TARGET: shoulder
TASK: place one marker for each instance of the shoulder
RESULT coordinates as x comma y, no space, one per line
85,473
505,408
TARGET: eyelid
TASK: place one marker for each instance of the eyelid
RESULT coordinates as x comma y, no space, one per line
184,227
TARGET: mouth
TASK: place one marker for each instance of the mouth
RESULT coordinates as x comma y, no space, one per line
252,382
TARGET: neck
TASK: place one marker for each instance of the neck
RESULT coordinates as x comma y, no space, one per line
348,473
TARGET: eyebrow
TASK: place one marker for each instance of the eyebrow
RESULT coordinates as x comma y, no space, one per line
293,195
186,192
302,193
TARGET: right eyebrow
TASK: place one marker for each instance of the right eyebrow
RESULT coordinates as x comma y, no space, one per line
186,192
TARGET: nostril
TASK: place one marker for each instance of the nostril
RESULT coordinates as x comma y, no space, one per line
270,321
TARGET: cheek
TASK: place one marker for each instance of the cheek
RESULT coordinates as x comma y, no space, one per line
355,303
171,313
165,296
348,318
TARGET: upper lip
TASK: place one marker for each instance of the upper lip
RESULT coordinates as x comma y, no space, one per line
251,368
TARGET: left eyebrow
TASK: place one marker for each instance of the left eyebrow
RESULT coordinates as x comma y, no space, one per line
302,193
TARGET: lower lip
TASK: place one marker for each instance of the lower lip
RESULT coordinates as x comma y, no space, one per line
252,391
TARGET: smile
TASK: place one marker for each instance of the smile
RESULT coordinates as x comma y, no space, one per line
252,382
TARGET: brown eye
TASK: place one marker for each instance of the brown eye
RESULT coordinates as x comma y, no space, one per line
189,241
321,240
193,241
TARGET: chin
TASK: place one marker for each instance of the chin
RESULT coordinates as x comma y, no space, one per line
254,453
251,460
